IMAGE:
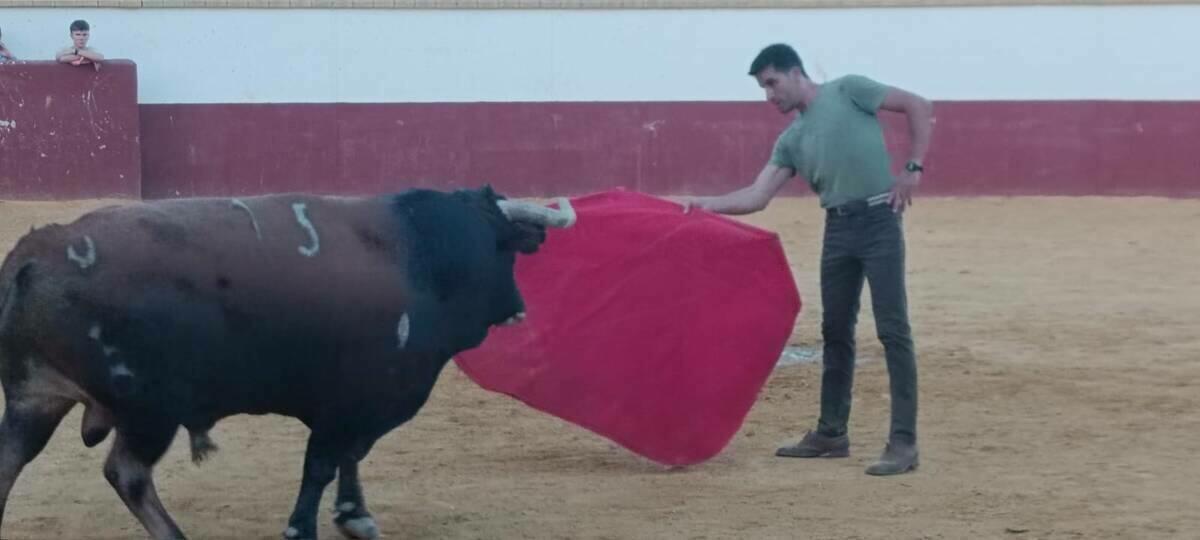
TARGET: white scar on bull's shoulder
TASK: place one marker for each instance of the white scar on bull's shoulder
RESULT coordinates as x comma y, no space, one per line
120,370
307,251
238,203
88,259
94,333
402,330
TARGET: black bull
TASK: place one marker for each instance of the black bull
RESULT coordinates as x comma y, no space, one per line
340,312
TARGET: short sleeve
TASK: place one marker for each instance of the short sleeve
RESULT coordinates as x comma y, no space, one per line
781,156
865,93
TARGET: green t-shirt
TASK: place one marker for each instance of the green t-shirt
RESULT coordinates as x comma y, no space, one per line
837,143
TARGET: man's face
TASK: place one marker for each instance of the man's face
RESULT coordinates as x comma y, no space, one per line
80,38
782,88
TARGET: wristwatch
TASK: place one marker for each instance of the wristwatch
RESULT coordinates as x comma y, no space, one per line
913,166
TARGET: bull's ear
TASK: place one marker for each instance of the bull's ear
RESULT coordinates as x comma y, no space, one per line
490,193
526,238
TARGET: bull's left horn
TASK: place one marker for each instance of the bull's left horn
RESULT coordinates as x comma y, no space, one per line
563,217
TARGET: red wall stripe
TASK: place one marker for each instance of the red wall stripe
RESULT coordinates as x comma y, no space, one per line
542,149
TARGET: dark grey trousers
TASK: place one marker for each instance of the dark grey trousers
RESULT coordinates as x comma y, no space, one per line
865,242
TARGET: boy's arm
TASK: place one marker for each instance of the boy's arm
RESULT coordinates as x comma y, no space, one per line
91,54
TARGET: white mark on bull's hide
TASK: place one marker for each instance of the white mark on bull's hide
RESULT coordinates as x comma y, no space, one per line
88,258
291,532
237,203
346,507
402,330
515,319
120,370
307,251
94,333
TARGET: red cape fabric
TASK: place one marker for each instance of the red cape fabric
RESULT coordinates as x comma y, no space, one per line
653,328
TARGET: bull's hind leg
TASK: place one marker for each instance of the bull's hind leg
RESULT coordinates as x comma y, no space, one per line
26,428
130,468
352,518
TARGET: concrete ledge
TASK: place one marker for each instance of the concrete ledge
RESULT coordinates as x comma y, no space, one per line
564,4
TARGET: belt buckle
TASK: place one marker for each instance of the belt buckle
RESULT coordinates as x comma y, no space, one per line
849,208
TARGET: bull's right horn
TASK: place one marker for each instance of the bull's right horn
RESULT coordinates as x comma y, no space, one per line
563,217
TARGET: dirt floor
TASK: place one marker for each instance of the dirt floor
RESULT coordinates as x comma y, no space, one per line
1060,368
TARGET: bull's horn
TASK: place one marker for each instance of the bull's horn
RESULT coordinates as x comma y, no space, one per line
563,217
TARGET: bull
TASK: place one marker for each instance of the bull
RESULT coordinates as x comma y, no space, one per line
338,311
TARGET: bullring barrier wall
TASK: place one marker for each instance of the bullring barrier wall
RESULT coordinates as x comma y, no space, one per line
1067,99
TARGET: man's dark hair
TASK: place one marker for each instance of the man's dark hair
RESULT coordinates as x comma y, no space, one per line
80,26
779,56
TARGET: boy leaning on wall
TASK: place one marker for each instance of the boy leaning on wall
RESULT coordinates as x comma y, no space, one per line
78,53
5,54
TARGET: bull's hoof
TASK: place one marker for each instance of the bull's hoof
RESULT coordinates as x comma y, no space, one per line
292,533
354,522
358,528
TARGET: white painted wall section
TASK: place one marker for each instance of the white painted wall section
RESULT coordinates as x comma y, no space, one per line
345,55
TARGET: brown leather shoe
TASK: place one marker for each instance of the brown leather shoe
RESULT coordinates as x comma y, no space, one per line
817,445
897,458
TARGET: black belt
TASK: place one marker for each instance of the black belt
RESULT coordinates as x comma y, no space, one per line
857,207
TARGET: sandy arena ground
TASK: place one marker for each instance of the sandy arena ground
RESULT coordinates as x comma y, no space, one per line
1060,364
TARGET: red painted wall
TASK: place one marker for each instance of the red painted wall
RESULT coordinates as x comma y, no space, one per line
540,149
523,149
1063,148
69,132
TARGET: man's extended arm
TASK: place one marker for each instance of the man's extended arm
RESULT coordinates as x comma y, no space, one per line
749,199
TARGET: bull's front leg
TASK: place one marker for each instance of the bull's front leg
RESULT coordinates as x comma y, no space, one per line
352,517
320,467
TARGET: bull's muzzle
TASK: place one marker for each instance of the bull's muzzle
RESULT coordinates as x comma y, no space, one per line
561,217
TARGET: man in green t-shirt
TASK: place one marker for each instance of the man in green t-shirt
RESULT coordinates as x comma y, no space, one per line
836,144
